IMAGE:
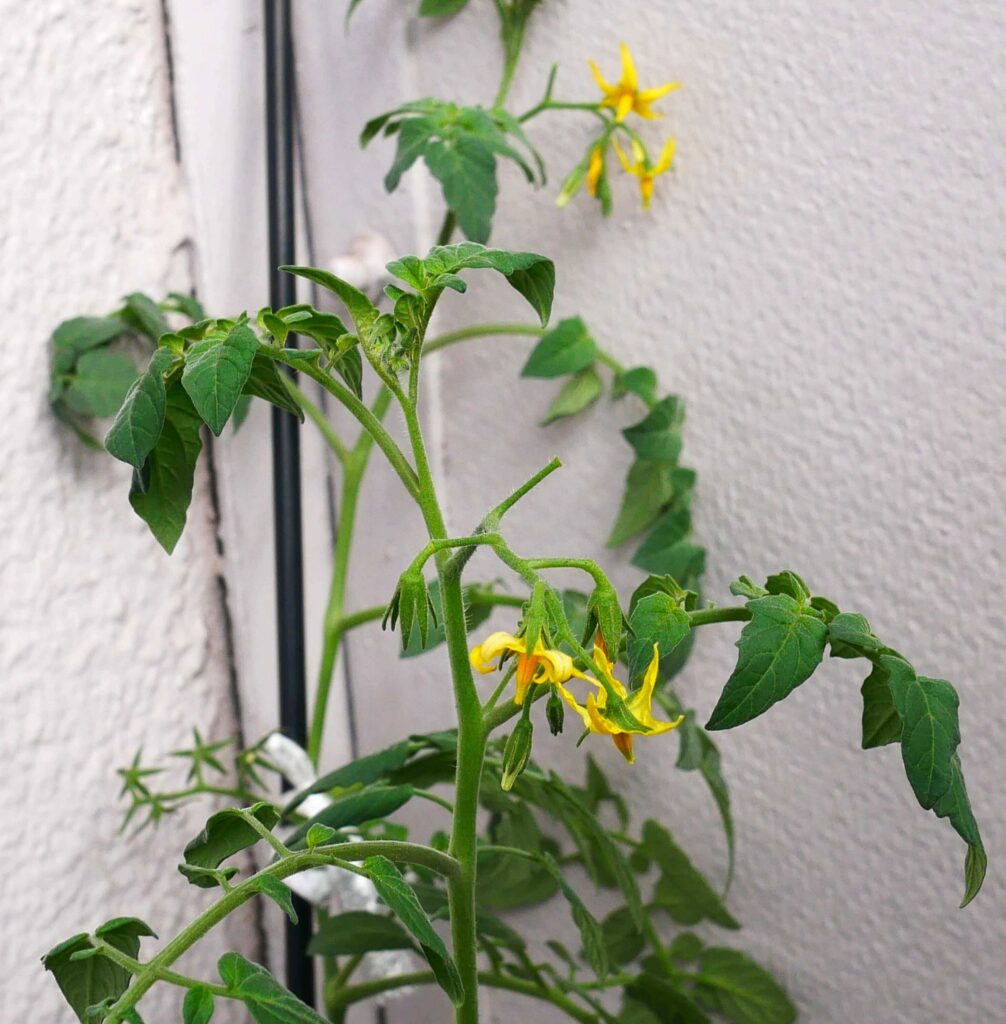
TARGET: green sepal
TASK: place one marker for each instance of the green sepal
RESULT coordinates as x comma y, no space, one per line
517,752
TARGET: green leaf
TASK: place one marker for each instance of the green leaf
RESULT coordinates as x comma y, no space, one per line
414,135
144,315
566,348
215,374
466,170
930,734
881,722
280,894
100,384
657,436
640,381
82,333
779,649
682,890
138,425
356,932
95,979
740,990
623,941
666,1004
581,390
361,309
197,1008
367,804
226,833
349,366
668,550
267,1000
648,488
686,947
850,636
591,934
264,381
787,582
656,619
162,489
440,8
396,892
365,770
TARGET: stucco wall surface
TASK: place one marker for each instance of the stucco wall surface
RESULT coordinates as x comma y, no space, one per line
106,644
820,278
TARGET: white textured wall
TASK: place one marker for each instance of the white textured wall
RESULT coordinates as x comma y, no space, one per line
105,642
821,279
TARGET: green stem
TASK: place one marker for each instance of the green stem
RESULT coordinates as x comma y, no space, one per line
368,989
592,108
481,331
450,222
339,856
708,616
354,468
319,419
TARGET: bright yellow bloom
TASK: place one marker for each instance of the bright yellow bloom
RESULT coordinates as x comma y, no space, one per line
625,96
595,169
639,703
641,168
543,665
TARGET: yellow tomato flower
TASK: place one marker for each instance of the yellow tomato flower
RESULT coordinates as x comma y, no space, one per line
595,169
625,96
542,665
642,169
639,703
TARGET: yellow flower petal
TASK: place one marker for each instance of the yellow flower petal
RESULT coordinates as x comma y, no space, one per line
651,95
626,101
485,656
666,156
630,80
606,87
623,159
595,170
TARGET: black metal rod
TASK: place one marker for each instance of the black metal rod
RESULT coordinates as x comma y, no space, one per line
279,74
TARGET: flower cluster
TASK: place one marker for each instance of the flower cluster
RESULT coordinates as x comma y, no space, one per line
546,666
622,99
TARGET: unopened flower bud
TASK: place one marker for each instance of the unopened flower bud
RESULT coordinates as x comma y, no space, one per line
555,712
517,753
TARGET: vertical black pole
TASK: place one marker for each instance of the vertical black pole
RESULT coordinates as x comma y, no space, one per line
279,72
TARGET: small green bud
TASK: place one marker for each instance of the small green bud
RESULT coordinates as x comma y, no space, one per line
555,712
410,606
605,613
318,835
517,753
535,615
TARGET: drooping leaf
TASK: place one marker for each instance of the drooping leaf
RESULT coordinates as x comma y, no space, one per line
649,486
280,894
733,985
657,436
682,890
579,392
80,334
779,649
264,381
367,804
225,834
665,1003
197,1007
399,896
138,424
95,979
881,722
267,1000
162,489
100,384
591,933
215,374
623,941
144,315
364,770
466,170
566,348
356,932
640,381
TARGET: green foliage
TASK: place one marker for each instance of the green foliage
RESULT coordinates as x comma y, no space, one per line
740,990
460,146
225,834
579,392
367,804
779,649
396,892
567,348
85,977
356,932
197,1007
267,1001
